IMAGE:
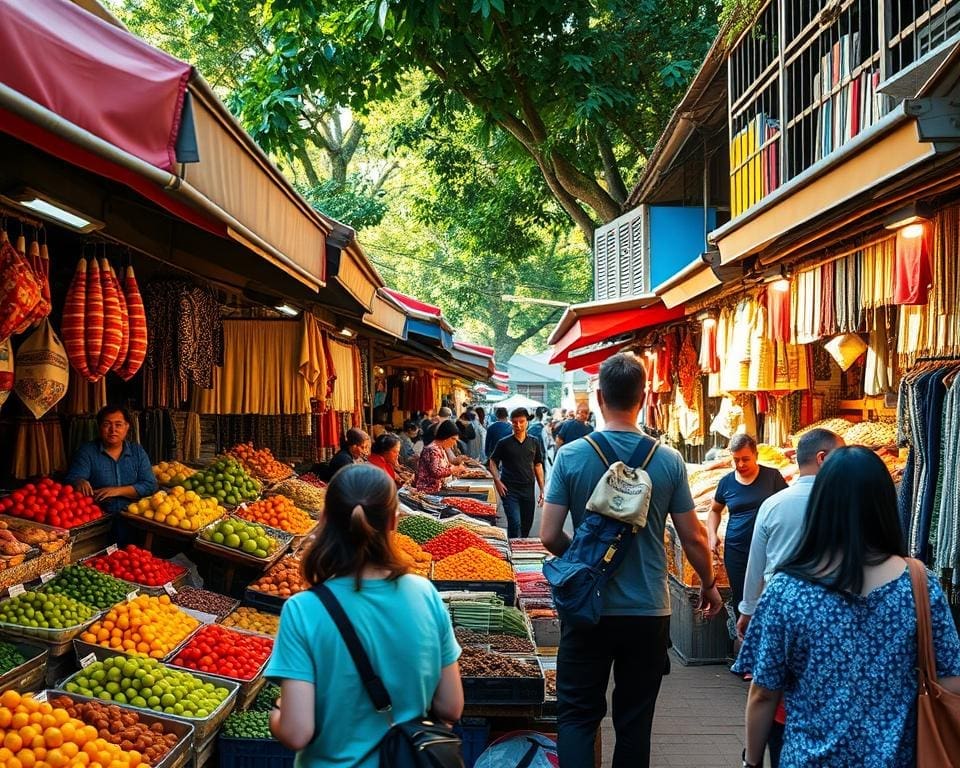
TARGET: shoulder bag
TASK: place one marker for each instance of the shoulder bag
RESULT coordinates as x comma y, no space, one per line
417,743
938,710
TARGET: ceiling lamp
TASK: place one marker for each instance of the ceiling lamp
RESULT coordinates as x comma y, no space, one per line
286,309
46,207
910,218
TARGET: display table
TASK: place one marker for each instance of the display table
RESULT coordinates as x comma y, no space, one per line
474,486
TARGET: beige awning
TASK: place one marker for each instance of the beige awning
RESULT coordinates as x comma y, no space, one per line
357,276
239,181
386,316
695,279
872,158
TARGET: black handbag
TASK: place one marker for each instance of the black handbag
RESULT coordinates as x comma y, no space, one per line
417,743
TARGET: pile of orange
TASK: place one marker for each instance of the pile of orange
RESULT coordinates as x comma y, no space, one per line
260,463
146,626
34,733
417,559
472,565
278,512
283,580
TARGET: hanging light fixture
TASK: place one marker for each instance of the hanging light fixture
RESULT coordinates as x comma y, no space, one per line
910,219
782,283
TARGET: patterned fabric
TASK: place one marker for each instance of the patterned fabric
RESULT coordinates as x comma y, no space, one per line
847,667
432,469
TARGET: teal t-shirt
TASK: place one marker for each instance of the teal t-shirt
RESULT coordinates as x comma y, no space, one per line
405,630
639,587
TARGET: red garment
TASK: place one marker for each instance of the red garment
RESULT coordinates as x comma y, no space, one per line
709,362
828,313
912,273
778,315
688,369
378,461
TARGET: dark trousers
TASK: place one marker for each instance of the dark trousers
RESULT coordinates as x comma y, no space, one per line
735,561
635,647
519,505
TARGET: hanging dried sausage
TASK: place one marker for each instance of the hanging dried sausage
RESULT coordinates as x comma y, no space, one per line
94,318
124,322
74,326
138,327
112,322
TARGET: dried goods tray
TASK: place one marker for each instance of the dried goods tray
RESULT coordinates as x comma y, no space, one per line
178,756
242,558
506,690
217,617
12,561
30,675
507,590
202,728
161,529
13,523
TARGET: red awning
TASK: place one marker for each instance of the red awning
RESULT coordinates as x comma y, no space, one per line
590,357
95,75
501,376
591,329
478,348
408,302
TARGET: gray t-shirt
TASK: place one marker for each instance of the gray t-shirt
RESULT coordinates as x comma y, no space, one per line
639,587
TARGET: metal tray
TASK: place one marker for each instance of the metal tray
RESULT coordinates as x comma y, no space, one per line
179,756
242,558
198,614
263,601
83,648
145,589
161,529
30,675
202,728
57,639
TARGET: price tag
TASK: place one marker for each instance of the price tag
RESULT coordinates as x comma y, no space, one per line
170,589
111,549
45,577
16,589
131,596
87,660
41,696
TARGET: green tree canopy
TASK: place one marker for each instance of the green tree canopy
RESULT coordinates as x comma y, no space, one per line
583,87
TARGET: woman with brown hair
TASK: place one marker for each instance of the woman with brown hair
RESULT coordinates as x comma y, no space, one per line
324,711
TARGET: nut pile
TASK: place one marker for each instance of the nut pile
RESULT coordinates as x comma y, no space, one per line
550,676
496,640
476,662
204,600
304,495
121,727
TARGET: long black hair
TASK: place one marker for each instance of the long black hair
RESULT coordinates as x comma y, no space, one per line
851,522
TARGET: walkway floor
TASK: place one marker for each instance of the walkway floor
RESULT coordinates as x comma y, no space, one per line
699,720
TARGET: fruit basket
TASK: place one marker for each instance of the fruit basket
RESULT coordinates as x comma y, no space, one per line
203,727
178,756
30,675
239,556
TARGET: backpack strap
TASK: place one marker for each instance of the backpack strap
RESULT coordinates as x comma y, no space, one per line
641,456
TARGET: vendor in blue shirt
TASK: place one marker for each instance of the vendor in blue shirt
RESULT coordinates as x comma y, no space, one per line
112,470
741,492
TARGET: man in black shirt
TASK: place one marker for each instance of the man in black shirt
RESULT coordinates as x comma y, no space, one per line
516,465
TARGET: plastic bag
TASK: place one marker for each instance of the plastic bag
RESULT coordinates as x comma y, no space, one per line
520,748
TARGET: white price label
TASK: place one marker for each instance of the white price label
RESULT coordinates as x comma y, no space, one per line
111,549
40,696
131,596
45,577
87,660
170,589
16,589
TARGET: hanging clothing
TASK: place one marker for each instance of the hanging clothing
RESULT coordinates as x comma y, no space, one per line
313,361
880,368
345,389
778,315
914,273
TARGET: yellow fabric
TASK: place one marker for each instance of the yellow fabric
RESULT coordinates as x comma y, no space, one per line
260,373
313,362
345,388
762,355
876,280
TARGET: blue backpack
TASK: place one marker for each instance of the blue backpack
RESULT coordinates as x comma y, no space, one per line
600,544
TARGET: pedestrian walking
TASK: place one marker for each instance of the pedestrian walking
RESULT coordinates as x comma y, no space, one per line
517,468
633,632
741,492
575,428
835,631
775,535
324,711
498,430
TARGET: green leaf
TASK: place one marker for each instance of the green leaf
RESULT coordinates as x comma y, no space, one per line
382,13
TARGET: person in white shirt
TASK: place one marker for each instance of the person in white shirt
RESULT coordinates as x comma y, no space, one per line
780,520
777,530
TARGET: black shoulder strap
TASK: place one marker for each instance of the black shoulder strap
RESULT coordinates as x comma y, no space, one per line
373,684
641,456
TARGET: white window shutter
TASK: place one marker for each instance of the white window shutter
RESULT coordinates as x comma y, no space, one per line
620,256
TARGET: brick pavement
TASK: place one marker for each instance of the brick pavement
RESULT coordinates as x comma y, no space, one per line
699,720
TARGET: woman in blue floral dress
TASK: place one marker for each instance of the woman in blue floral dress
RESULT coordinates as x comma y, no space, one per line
835,631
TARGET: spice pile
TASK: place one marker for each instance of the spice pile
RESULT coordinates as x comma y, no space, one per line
204,600
305,495
471,506
497,641
476,662
417,559
420,528
472,564
457,540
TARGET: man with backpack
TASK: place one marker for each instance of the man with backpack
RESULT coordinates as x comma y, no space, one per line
632,633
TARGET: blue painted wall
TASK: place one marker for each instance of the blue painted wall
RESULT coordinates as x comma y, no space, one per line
677,237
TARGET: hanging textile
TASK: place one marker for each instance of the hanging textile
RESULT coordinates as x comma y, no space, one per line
185,331
778,315
828,308
947,547
846,293
914,274
708,347
84,397
313,361
805,299
38,449
880,369
260,373
735,367
345,388
762,358
877,273
191,438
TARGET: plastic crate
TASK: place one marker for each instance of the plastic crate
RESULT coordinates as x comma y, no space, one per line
506,590
475,734
254,753
506,690
697,640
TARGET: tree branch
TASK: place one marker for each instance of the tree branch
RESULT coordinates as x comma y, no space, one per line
308,168
611,169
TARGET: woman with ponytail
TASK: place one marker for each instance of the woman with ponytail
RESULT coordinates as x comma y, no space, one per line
324,712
